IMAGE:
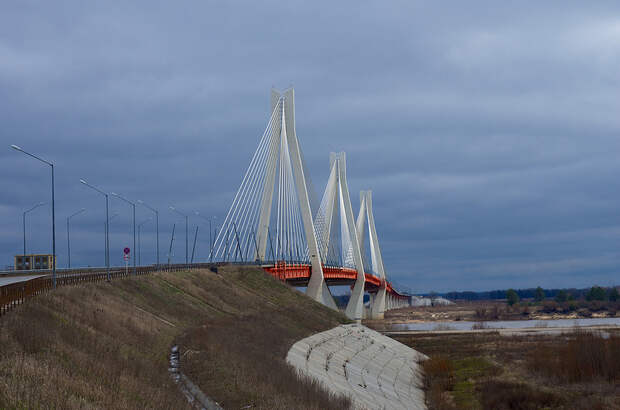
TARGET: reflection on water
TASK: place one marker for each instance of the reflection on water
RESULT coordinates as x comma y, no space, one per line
507,324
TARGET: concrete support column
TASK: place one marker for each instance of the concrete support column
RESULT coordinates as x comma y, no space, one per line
377,306
317,288
355,306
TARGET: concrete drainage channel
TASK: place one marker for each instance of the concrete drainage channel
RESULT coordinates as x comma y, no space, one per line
193,394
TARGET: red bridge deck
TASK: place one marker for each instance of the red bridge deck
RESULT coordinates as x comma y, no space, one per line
299,274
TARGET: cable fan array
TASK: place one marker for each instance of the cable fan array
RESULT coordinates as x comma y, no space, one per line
331,227
239,239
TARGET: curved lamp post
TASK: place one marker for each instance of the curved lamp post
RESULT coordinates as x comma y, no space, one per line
15,147
107,225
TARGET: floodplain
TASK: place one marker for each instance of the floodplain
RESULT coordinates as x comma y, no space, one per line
487,368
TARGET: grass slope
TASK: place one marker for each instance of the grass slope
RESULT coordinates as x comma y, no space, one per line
106,345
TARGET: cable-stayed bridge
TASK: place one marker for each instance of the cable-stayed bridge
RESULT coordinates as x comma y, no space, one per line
277,220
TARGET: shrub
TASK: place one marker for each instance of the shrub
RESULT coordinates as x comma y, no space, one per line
596,293
539,294
612,294
597,306
481,313
439,372
499,395
549,307
525,311
512,297
561,297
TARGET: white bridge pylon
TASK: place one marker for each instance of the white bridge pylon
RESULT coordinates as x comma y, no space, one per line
247,232
337,192
257,228
377,301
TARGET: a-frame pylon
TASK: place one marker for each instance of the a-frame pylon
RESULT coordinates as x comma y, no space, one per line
378,300
337,193
283,111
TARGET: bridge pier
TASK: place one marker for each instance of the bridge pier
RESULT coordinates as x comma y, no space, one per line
377,303
355,307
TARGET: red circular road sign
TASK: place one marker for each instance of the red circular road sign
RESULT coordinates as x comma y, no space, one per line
126,251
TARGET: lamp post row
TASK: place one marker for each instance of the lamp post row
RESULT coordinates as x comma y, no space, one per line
107,222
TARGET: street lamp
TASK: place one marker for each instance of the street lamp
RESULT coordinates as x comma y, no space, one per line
172,208
133,204
156,224
107,226
139,243
15,147
24,222
210,219
68,240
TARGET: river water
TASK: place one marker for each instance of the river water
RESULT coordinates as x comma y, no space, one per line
507,324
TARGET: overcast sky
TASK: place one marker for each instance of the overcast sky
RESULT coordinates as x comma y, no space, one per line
489,133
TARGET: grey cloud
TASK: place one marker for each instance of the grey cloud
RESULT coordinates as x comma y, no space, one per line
488,132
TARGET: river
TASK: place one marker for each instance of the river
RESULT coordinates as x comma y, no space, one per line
505,324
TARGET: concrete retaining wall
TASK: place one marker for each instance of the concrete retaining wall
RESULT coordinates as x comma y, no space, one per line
376,371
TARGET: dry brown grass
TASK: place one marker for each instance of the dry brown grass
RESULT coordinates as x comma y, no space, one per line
246,351
491,371
503,395
583,357
84,346
439,379
106,345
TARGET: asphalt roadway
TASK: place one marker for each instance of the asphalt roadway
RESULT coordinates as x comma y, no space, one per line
7,280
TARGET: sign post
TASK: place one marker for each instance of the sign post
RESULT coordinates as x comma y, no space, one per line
126,253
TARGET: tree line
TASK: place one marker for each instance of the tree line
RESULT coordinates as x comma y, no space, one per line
561,295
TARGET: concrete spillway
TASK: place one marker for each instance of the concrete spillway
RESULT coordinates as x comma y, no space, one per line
375,371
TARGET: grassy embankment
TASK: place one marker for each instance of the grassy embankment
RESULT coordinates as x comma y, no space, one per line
106,345
487,371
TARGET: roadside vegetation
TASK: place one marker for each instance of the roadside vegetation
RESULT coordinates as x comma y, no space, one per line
577,370
106,345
